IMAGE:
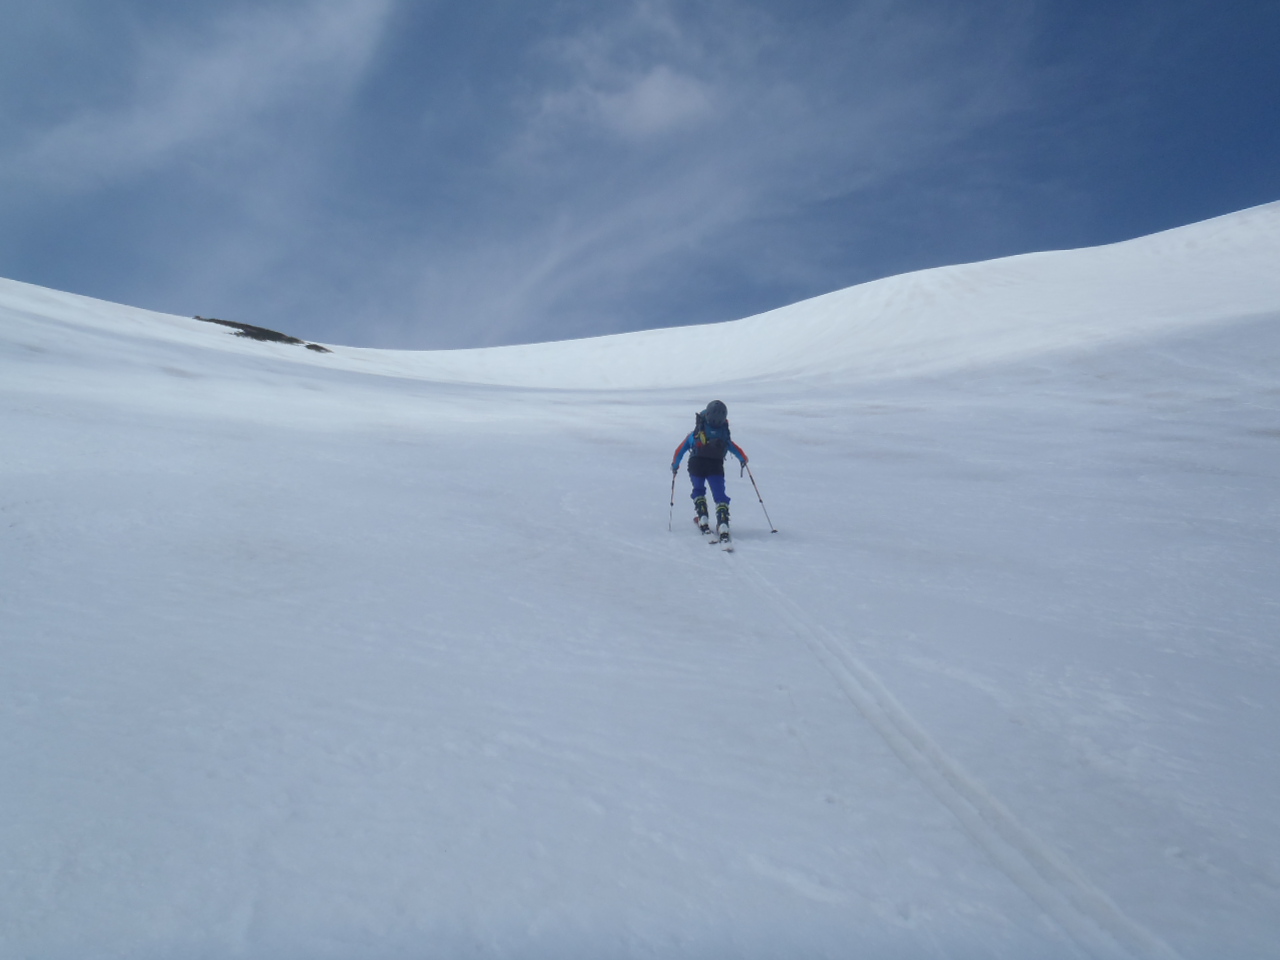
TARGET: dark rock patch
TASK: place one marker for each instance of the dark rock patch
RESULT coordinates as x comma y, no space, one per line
262,333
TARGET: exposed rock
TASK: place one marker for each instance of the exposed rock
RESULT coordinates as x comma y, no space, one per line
262,333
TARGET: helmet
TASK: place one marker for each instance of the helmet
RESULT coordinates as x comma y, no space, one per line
716,412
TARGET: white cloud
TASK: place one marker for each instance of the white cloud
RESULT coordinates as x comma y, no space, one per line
636,77
651,103
656,137
190,92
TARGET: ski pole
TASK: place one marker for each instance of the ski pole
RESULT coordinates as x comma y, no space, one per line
772,528
672,512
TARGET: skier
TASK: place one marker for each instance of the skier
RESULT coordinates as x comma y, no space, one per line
707,446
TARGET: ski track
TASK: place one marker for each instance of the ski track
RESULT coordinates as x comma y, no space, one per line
1086,914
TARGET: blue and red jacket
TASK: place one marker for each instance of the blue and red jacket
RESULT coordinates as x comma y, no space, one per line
702,461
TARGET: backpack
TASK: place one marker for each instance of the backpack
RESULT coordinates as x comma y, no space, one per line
710,439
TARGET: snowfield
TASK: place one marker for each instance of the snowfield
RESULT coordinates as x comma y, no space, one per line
380,654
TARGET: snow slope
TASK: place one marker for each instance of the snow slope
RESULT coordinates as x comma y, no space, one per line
378,654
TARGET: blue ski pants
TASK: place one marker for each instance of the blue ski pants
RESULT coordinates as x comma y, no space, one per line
716,481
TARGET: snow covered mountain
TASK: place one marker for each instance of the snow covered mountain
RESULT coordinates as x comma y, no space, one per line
384,654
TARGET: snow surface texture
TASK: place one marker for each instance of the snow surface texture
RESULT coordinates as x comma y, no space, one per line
378,654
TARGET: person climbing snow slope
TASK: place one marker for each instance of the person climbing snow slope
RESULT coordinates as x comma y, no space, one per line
707,445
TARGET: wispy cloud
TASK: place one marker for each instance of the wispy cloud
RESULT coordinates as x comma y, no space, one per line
655,102
214,83
657,143
635,76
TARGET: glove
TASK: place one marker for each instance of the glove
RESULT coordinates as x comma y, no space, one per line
675,468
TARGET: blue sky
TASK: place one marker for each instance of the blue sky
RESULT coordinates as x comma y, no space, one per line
417,174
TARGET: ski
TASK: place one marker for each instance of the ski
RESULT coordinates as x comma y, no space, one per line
719,536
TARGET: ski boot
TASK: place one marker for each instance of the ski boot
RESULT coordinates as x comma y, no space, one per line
701,518
722,521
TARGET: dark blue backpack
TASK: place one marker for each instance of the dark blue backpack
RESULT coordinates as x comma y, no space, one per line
710,439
